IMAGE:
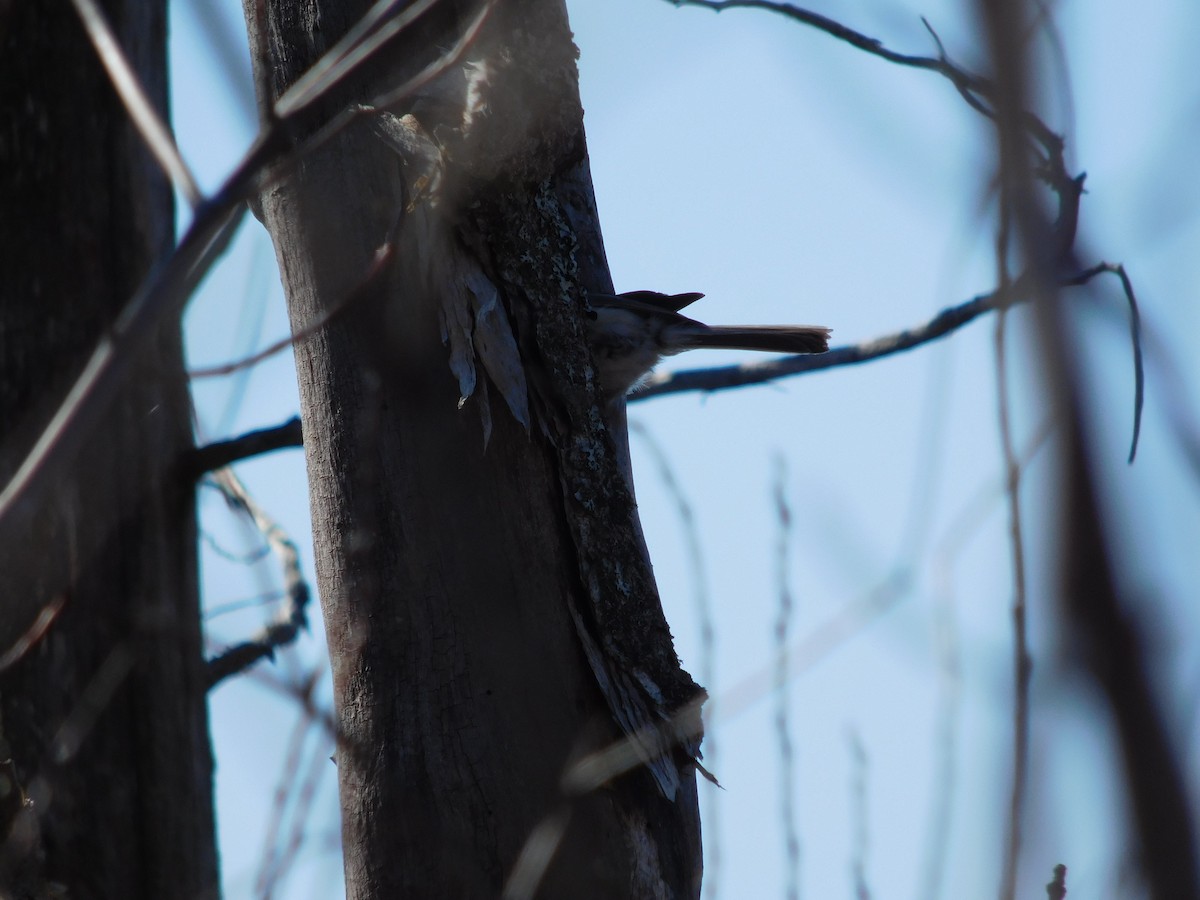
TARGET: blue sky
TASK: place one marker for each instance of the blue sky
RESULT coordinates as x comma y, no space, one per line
793,179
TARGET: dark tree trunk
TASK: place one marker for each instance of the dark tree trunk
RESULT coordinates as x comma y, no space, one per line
463,547
104,716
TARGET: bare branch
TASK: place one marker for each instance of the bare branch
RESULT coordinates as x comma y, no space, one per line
783,731
379,24
292,616
690,534
1022,663
294,795
860,819
377,269
34,633
1135,338
977,91
253,443
946,322
599,768
1057,888
96,698
535,857
273,865
153,129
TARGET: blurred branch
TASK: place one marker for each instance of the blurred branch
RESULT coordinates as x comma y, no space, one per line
595,770
860,820
253,443
690,534
1100,622
783,622
276,859
1057,888
380,264
226,46
1103,631
294,795
292,616
1022,662
1135,337
297,127
34,633
977,91
154,131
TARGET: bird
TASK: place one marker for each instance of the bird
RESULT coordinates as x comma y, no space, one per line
630,333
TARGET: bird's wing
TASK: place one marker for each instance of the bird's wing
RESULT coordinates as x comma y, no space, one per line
660,302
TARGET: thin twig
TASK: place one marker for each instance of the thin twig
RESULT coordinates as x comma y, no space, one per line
293,795
302,812
85,403
1021,660
974,89
231,606
944,323
1135,338
379,24
37,629
708,646
597,769
271,866
861,840
292,615
153,129
536,854
783,622
1057,888
96,698
963,527
377,270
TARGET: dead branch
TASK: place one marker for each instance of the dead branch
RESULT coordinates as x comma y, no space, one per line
292,616
1099,617
219,454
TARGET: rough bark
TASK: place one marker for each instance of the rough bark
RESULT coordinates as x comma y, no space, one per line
455,540
103,717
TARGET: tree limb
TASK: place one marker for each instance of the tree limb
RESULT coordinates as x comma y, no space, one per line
218,454
977,91
944,323
293,614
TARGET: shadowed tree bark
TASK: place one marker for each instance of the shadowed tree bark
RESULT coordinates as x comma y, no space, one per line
103,716
464,546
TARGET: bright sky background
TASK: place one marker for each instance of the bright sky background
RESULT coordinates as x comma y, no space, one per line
794,179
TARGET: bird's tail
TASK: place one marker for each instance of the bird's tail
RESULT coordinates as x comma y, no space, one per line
772,338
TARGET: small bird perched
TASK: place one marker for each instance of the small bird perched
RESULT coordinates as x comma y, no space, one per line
631,332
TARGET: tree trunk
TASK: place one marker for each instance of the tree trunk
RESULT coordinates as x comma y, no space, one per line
103,716
487,598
